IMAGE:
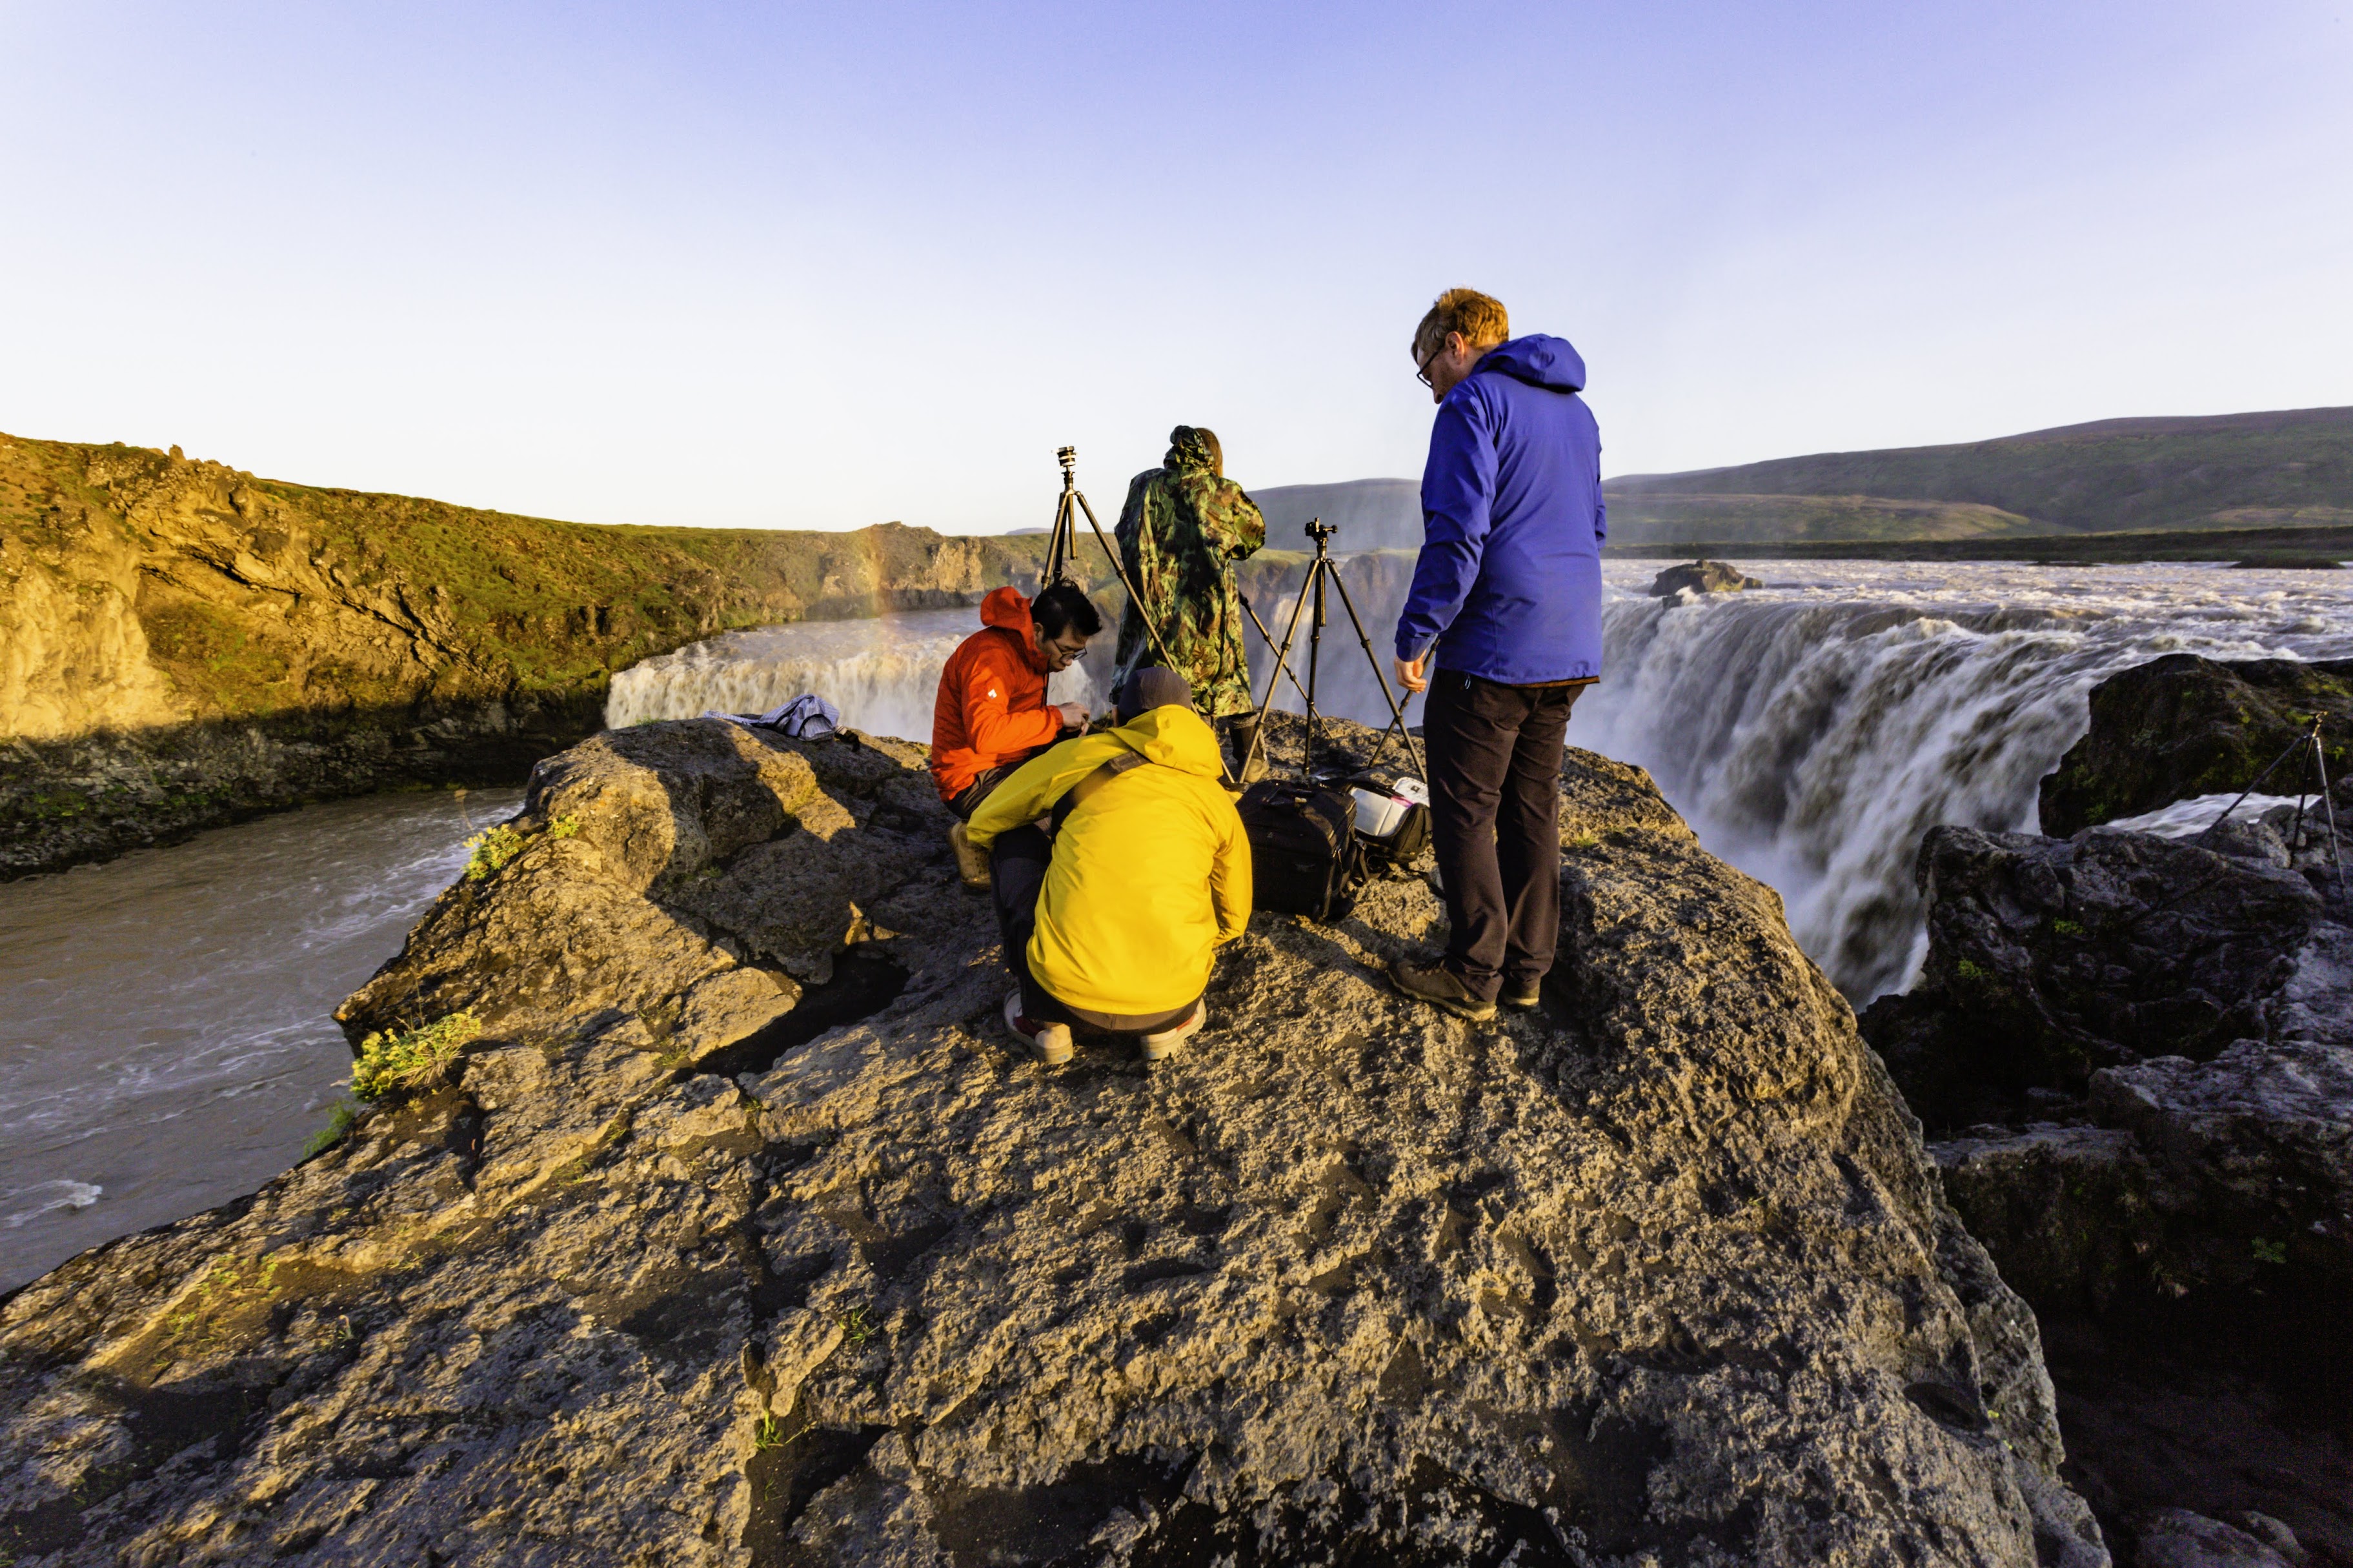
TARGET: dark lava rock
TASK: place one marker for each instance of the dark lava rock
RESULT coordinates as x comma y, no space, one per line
1702,577
1658,1273
2183,726
2049,959
2155,1044
2065,1210
2175,1538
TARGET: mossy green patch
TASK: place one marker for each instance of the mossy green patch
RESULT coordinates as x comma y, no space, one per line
407,1060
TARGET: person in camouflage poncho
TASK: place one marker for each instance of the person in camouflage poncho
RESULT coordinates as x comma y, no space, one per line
1182,529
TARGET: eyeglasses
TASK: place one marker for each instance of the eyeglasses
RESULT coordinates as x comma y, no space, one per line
1422,374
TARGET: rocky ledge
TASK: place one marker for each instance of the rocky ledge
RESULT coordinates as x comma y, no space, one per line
739,1234
2138,1052
1702,577
2183,726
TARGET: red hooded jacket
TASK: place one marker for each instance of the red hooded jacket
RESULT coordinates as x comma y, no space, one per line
992,704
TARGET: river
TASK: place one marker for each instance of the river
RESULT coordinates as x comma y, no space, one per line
166,1043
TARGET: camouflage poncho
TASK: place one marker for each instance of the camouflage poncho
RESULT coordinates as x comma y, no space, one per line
1180,533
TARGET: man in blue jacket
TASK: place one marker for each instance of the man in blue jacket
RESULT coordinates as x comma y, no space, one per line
1507,594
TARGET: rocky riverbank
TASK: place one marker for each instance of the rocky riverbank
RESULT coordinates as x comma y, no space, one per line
2183,726
183,644
738,1234
2138,1053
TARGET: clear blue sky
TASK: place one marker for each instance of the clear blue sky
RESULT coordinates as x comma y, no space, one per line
822,266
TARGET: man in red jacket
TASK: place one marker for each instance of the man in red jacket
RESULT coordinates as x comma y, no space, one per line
992,715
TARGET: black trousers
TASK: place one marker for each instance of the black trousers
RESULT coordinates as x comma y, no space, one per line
1494,816
1017,866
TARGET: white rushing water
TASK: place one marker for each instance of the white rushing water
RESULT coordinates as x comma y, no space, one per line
1813,731
166,1043
1810,731
882,673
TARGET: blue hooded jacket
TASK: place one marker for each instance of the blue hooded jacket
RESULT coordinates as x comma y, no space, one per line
1508,585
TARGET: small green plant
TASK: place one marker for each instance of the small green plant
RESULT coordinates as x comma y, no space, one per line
488,852
854,1330
2269,1251
412,1058
1968,970
340,1122
1584,841
2067,928
769,1433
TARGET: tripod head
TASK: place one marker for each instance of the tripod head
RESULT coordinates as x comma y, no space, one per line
1321,532
1069,458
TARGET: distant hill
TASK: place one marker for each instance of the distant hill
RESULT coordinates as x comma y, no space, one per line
1371,514
1648,518
2288,468
1385,514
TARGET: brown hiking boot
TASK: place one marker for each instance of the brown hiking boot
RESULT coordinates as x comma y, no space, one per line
1440,987
1522,995
972,865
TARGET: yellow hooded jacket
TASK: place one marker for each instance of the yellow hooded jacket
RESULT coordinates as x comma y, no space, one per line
1151,869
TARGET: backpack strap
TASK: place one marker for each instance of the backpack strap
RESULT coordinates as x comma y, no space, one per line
1123,762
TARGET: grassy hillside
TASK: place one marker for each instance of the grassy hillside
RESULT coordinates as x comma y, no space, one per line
183,643
2287,469
1648,517
2326,545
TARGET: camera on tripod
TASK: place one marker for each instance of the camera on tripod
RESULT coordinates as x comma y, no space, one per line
1323,571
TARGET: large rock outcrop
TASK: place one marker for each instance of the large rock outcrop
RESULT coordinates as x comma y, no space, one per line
2183,726
1702,577
182,643
2197,1007
673,1272
2141,1052
2049,959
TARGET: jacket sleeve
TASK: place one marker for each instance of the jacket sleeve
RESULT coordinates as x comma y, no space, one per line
1458,494
1229,874
1030,794
990,722
1600,503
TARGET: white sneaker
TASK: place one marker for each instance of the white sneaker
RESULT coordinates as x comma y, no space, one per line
1165,1043
1050,1043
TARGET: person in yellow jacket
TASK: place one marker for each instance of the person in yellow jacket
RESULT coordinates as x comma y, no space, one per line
1114,922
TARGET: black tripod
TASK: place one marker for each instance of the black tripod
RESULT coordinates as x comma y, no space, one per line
1061,538
2311,779
1319,570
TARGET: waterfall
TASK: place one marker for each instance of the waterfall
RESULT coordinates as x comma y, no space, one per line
1813,731
884,674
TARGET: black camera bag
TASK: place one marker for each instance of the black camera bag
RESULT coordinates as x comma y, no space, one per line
1304,858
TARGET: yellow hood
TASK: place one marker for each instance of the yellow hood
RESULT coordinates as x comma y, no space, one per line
1175,737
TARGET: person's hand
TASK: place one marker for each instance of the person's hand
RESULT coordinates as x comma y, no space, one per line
1074,716
1409,673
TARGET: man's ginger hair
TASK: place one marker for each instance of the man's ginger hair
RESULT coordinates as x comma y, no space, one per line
1480,318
